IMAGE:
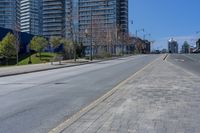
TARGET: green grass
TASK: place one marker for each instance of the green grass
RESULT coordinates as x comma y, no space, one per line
35,58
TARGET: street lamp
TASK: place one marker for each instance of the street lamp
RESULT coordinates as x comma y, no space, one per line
137,31
152,45
87,33
30,60
146,35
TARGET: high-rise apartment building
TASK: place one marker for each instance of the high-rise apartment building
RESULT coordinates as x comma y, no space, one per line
31,16
102,19
54,18
172,46
123,15
107,12
71,18
10,14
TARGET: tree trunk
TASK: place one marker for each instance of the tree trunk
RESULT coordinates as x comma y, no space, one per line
6,61
17,58
40,55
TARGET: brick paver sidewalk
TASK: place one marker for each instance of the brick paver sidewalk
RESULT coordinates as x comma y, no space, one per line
161,99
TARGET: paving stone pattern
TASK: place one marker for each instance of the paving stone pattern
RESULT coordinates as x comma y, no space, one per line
161,99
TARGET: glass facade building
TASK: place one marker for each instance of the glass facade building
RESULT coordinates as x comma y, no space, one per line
123,15
70,18
107,12
102,17
172,46
54,18
31,16
10,14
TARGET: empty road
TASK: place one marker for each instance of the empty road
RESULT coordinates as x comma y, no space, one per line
37,102
190,62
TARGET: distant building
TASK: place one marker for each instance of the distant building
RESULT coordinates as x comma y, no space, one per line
164,51
197,49
10,14
31,16
146,47
185,48
141,46
172,46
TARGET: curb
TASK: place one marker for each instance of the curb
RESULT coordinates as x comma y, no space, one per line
61,127
59,67
46,69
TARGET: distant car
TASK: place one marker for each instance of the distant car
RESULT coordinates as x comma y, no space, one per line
157,51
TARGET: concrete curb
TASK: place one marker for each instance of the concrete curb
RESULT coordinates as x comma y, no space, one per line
60,128
45,69
59,67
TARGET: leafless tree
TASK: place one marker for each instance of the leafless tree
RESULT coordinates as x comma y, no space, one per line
16,33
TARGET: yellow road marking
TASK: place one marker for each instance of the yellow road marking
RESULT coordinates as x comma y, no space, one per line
61,127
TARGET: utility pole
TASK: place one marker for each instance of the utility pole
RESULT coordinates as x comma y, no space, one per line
91,30
30,62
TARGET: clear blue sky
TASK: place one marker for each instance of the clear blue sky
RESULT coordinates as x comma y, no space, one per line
166,18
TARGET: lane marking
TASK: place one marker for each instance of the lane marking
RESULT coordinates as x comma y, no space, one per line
183,69
193,59
165,57
182,60
61,127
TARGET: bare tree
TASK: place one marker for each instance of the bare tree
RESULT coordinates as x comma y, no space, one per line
68,48
17,41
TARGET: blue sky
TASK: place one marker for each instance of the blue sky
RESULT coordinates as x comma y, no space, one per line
179,19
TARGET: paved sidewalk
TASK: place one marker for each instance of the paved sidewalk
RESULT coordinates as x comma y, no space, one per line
15,70
161,99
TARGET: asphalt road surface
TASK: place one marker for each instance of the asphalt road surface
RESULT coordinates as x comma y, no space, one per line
191,62
38,102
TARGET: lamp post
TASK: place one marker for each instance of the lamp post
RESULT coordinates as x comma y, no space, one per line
30,60
75,41
91,37
106,23
146,35
137,31
152,45
198,32
87,33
